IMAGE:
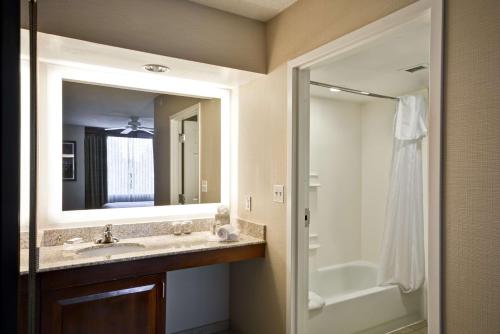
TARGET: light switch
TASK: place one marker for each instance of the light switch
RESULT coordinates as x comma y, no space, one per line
248,203
279,193
204,186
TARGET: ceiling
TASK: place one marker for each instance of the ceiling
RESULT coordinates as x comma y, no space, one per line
376,66
262,10
105,107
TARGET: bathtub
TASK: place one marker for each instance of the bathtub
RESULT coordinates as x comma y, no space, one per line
353,303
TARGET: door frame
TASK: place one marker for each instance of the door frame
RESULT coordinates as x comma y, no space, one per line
10,171
176,150
298,159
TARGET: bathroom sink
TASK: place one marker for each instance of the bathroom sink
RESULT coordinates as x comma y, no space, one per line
110,249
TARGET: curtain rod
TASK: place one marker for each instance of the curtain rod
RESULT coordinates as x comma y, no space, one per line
353,91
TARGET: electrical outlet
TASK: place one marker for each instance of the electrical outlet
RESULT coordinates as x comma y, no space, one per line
204,186
279,193
248,203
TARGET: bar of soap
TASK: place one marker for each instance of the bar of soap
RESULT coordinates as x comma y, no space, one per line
73,241
72,244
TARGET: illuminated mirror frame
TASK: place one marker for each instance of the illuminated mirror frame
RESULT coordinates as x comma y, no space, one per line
52,75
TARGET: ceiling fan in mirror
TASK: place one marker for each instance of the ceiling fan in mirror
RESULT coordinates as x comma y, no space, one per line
133,125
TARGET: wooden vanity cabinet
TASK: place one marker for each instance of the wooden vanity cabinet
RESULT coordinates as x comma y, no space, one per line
121,297
131,305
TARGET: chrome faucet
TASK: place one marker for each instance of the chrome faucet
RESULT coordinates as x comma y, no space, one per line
107,236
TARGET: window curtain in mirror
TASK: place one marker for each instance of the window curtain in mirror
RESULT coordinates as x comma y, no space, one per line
130,169
402,255
96,184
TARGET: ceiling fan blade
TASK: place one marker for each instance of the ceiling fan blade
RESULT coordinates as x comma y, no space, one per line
111,129
144,130
126,131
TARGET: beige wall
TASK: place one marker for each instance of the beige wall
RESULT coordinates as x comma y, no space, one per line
210,149
471,167
175,28
209,118
258,288
308,24
165,106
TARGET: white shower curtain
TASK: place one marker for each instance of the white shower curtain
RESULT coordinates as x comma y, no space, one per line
402,255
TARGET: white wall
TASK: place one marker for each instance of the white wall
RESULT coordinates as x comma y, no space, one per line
376,153
351,150
335,154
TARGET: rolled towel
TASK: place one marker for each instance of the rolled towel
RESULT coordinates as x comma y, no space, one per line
315,301
228,233
222,210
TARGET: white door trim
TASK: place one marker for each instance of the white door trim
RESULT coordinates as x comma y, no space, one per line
175,150
297,78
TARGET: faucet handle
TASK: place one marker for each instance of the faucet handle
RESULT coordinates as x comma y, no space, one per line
108,227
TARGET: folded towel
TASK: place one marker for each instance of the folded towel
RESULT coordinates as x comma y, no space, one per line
315,301
228,233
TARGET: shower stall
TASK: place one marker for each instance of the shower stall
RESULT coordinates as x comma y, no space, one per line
367,189
352,169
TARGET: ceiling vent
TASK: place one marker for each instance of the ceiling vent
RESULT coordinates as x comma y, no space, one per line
416,68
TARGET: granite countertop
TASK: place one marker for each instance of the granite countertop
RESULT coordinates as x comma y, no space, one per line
55,258
150,240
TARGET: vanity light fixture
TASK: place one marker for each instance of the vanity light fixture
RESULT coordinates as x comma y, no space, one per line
156,68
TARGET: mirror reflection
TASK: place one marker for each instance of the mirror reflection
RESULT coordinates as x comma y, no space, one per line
126,148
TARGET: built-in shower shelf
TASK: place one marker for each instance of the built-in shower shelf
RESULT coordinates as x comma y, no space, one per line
314,246
313,180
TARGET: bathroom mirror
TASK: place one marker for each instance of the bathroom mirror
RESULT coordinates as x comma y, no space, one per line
124,148
86,88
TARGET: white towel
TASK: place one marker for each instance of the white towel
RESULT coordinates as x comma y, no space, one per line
315,301
222,210
228,233
410,118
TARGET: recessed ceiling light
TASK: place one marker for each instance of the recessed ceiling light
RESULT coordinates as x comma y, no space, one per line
156,68
334,90
364,93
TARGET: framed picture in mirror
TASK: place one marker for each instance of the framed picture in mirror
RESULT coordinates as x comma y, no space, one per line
69,160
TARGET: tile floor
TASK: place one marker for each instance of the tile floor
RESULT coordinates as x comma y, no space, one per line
416,328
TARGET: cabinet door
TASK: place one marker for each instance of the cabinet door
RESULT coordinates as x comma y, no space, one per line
135,305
